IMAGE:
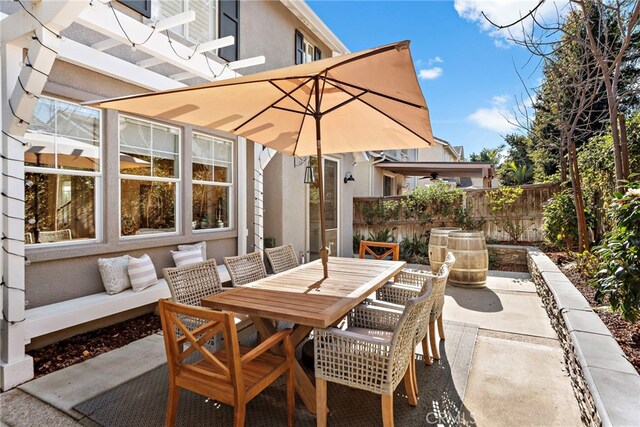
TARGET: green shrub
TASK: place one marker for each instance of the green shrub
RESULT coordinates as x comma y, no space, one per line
559,223
507,205
618,280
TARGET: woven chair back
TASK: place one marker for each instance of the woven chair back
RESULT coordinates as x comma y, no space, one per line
209,324
404,336
245,269
439,283
188,285
281,258
379,250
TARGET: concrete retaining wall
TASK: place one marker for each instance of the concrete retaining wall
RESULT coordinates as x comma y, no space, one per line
605,383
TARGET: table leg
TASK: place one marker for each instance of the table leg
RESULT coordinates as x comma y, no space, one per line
304,386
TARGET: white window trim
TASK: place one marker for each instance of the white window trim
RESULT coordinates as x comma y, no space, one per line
231,185
176,181
98,213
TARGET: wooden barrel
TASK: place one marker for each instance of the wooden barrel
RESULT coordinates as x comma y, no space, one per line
472,259
438,246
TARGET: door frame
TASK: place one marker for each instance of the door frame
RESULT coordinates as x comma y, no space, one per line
307,248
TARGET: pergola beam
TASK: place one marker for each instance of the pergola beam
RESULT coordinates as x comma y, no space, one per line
99,18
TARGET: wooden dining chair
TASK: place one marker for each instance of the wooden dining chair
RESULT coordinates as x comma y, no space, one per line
233,375
371,360
281,258
245,269
383,250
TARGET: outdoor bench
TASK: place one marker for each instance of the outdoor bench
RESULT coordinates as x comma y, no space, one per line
55,317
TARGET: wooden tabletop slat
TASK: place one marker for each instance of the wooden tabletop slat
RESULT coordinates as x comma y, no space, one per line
300,295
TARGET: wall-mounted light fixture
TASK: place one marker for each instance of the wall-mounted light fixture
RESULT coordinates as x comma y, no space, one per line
434,176
348,177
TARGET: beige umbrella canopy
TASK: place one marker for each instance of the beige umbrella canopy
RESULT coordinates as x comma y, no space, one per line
368,100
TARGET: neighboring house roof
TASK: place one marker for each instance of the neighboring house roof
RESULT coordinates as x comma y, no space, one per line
309,18
447,145
442,169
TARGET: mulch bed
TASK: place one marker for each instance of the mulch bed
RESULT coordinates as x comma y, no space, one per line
627,334
85,346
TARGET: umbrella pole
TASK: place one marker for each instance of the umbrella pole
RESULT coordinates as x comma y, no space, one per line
324,251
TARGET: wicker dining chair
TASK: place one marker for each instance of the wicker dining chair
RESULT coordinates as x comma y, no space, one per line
189,284
384,250
408,285
438,306
245,269
281,258
233,375
374,362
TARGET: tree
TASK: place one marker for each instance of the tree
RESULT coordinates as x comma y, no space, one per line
490,155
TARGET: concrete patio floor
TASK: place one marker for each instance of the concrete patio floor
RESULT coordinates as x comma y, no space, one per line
517,375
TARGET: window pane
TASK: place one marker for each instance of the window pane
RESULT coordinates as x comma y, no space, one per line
135,147
210,206
170,8
165,152
202,157
64,136
59,208
147,207
201,30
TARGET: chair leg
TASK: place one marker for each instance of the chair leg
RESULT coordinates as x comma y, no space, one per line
409,386
387,410
321,402
432,340
440,327
414,374
425,350
291,396
172,405
239,413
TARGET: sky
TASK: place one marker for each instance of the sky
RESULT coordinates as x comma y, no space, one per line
468,71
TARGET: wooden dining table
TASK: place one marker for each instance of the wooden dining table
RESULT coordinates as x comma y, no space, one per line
303,297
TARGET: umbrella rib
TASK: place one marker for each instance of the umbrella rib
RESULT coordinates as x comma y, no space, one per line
271,105
404,44
275,107
295,147
395,121
373,92
291,97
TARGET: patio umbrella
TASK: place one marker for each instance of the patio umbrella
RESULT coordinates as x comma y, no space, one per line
368,100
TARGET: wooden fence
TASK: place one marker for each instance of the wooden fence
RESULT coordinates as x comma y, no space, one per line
475,201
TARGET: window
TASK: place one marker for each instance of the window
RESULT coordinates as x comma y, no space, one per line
388,186
203,28
305,51
62,172
149,176
212,182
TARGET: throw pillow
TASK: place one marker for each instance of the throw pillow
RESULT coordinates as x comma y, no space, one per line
113,271
142,273
185,258
201,245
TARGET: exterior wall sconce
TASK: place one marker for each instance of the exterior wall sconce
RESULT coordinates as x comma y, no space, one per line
309,178
348,177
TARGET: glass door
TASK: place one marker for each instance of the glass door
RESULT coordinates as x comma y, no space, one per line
331,206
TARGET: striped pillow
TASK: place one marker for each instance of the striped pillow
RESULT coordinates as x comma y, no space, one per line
142,273
200,245
185,258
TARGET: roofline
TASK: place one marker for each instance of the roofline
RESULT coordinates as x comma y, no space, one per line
448,145
309,18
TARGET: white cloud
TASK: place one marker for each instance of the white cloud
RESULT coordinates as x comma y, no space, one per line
436,60
497,118
499,100
430,73
503,12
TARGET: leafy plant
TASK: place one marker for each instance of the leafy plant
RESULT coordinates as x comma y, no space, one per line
507,204
385,235
618,280
415,249
357,237
559,223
